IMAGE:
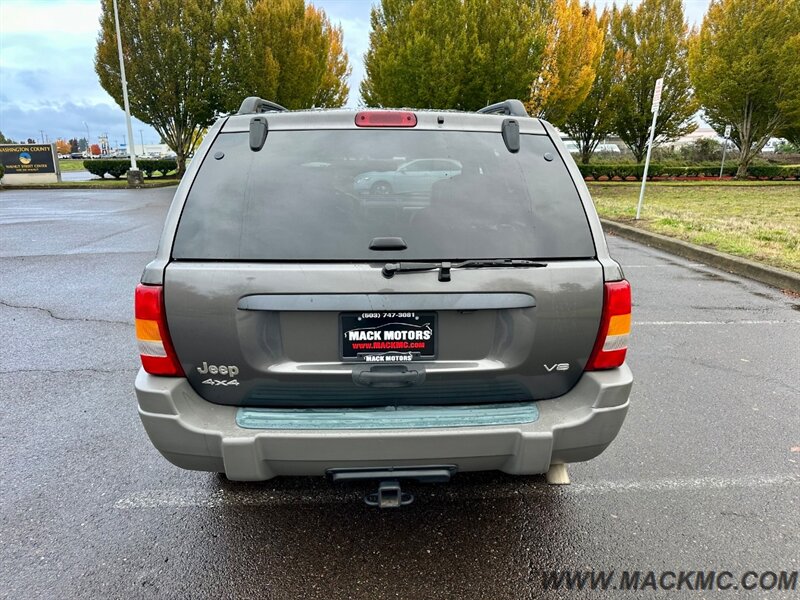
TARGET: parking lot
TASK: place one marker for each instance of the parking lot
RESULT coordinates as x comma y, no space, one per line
705,474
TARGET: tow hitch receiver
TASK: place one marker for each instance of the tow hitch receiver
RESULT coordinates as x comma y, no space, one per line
389,493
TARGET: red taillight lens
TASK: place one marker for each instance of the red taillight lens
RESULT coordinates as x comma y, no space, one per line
386,118
615,327
155,348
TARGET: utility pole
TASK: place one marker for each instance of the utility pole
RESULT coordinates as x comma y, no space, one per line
135,178
41,133
141,137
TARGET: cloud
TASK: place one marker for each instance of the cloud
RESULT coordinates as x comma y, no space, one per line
66,120
50,17
47,78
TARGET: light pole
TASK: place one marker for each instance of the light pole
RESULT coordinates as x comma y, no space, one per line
134,175
88,139
141,137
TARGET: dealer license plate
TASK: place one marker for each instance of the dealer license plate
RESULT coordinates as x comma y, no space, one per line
382,337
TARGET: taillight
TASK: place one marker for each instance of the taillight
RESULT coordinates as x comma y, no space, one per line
155,348
386,118
615,327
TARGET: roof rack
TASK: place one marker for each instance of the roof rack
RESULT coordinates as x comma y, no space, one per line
514,108
255,105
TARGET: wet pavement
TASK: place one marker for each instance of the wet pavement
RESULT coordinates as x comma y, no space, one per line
705,474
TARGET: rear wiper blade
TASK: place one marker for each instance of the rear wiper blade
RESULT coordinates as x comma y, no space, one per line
444,267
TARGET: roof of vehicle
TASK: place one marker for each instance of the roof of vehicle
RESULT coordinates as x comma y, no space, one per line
344,118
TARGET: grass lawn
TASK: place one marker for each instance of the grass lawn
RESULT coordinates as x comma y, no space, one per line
756,220
70,164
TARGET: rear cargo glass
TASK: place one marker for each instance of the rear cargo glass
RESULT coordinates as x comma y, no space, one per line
326,194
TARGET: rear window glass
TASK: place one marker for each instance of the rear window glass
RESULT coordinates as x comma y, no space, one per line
326,194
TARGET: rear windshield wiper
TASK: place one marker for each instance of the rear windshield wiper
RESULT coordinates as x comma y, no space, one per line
444,267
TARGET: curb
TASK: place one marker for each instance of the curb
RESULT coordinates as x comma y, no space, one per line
779,278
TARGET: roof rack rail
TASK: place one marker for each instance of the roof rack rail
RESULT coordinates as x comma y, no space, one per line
514,108
255,105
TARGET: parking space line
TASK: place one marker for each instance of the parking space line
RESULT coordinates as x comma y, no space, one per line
204,498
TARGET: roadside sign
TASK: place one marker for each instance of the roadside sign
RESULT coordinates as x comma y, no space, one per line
30,163
657,94
656,104
724,148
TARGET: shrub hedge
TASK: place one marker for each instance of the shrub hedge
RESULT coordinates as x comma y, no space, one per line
634,171
2,171
118,167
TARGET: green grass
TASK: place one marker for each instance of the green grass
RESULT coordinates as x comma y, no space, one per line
70,164
756,220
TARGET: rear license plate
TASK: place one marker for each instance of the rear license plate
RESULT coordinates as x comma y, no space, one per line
388,336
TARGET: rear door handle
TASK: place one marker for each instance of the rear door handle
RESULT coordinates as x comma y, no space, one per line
389,377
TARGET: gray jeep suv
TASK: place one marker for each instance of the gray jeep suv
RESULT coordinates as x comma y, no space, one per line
292,324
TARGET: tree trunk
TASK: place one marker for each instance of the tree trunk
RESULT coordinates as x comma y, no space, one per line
586,155
181,157
745,158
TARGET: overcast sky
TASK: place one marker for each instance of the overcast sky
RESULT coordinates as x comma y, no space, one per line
47,78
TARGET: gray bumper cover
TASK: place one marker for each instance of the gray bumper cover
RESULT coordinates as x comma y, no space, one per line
195,434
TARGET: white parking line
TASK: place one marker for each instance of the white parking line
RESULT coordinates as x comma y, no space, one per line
731,322
205,498
662,266
684,484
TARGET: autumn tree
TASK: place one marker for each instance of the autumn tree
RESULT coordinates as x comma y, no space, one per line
172,51
653,43
63,146
282,50
745,67
460,54
571,57
333,89
592,121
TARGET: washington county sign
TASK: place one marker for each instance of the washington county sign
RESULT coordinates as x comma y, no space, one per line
29,163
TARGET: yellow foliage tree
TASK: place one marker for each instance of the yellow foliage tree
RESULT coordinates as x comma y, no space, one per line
574,46
63,147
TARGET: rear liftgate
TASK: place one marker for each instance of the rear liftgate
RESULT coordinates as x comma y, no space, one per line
389,493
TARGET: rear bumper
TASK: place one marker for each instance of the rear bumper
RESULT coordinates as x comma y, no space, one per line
195,434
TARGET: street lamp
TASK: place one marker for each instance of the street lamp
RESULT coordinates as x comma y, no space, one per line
135,178
88,140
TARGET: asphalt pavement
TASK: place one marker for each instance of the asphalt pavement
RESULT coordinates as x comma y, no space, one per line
705,474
